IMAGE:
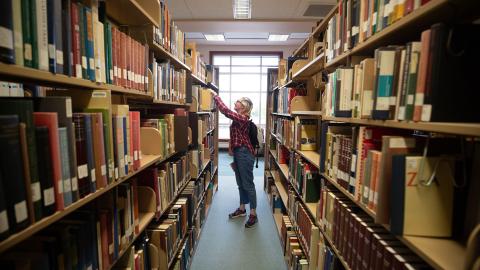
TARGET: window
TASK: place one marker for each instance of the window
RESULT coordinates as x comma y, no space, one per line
244,75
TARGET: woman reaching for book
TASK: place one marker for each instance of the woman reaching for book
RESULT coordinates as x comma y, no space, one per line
243,155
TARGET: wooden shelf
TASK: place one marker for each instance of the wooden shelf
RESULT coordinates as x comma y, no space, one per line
204,165
163,53
22,74
197,80
439,253
284,169
127,91
324,23
307,113
213,87
134,12
281,189
14,239
276,138
304,44
145,219
282,114
425,15
278,222
466,129
312,156
205,112
350,196
310,69
173,103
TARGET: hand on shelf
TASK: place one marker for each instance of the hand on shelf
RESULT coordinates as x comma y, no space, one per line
213,92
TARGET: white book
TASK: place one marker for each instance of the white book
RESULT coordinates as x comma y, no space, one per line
42,34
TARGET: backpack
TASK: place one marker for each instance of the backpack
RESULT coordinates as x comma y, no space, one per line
255,138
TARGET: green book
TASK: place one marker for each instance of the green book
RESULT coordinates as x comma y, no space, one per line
29,32
24,109
312,188
108,52
107,141
83,47
412,80
17,31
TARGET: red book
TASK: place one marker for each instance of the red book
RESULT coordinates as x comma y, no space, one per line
129,56
135,138
50,120
131,150
409,5
99,150
123,58
76,59
103,217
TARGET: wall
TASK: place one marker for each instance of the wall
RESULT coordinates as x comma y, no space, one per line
205,49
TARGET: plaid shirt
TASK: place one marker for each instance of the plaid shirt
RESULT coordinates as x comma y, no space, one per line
238,129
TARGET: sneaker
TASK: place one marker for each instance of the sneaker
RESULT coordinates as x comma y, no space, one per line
252,221
238,213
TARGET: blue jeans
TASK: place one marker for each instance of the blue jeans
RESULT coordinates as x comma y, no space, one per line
244,175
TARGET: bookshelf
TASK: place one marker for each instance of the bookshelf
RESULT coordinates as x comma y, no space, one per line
438,253
126,15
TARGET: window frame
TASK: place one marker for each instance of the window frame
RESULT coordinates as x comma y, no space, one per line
212,54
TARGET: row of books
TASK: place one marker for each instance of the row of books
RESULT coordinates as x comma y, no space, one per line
59,156
306,134
283,98
362,243
91,238
137,256
166,180
9,89
170,35
408,82
283,154
195,62
305,178
327,258
387,171
357,20
168,83
206,123
307,230
204,98
72,38
285,69
284,129
295,257
276,203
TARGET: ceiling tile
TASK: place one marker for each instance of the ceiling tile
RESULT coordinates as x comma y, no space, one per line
299,35
236,35
194,35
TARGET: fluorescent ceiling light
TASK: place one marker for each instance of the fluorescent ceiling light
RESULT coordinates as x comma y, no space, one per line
242,9
277,37
214,37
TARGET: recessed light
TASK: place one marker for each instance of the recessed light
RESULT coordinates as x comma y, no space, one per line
277,37
242,9
214,37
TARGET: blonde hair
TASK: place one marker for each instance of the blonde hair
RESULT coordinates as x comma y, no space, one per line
248,104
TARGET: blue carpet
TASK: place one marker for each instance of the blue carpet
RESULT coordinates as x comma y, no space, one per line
227,244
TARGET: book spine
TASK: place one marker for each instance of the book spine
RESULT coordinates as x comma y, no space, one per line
17,32
89,44
59,37
64,161
7,49
412,80
384,85
27,32
42,34
90,154
422,75
82,22
73,160
12,176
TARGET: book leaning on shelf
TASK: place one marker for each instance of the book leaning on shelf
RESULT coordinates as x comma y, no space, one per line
410,82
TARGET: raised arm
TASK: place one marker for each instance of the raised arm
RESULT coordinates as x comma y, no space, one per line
227,112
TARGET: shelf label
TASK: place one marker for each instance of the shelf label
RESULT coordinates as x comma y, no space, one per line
21,211
3,221
36,192
74,184
82,171
48,196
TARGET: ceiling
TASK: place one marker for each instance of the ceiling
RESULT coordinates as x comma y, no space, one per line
196,17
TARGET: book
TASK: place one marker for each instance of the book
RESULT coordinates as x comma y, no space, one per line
4,222
50,120
67,34
422,205
7,49
367,86
41,60
28,31
423,70
17,32
24,109
65,166
412,80
45,171
11,164
384,84
99,150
